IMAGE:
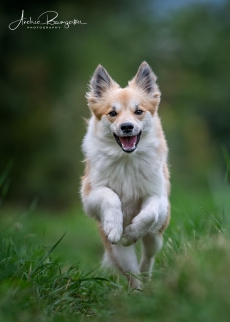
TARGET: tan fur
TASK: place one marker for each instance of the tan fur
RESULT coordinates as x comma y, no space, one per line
127,192
100,107
86,186
167,177
166,223
123,95
99,110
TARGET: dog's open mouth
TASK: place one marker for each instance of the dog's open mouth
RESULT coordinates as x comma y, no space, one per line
128,143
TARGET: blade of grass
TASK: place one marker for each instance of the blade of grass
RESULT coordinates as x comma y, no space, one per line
214,219
50,251
5,188
5,172
227,161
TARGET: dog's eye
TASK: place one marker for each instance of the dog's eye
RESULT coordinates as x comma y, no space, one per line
112,114
138,112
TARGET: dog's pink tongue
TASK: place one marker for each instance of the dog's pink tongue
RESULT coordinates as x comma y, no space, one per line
128,141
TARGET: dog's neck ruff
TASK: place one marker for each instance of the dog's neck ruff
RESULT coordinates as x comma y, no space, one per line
105,152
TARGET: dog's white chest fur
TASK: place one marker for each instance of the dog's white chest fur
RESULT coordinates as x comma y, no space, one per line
126,181
133,177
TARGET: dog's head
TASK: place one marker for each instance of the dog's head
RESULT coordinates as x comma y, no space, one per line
125,113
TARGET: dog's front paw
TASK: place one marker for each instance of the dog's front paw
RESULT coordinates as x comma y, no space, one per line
137,229
130,236
113,231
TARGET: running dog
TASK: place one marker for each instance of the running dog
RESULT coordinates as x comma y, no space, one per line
126,182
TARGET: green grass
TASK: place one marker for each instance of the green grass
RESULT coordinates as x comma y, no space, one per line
49,266
36,285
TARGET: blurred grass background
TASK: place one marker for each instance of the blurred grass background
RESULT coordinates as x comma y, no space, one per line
43,80
44,76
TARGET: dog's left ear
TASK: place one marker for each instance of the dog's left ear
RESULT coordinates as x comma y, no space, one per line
145,79
101,82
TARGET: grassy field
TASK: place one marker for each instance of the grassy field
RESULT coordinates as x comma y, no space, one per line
50,265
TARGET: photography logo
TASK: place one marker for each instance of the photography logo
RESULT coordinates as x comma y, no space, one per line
47,20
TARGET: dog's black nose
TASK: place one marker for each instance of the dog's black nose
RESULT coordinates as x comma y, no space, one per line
127,127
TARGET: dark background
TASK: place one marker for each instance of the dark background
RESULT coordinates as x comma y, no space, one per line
44,76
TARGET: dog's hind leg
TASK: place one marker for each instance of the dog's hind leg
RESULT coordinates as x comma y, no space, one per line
152,244
123,258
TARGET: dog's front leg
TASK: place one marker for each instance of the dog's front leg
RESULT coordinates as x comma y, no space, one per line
105,206
143,222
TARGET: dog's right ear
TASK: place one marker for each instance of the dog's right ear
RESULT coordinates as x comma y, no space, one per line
100,82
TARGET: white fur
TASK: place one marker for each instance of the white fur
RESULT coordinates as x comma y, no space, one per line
128,192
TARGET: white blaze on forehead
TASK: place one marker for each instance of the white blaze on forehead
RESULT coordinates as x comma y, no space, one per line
130,104
133,104
123,98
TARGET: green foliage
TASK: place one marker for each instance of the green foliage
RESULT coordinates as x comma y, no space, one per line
62,281
39,287
45,75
